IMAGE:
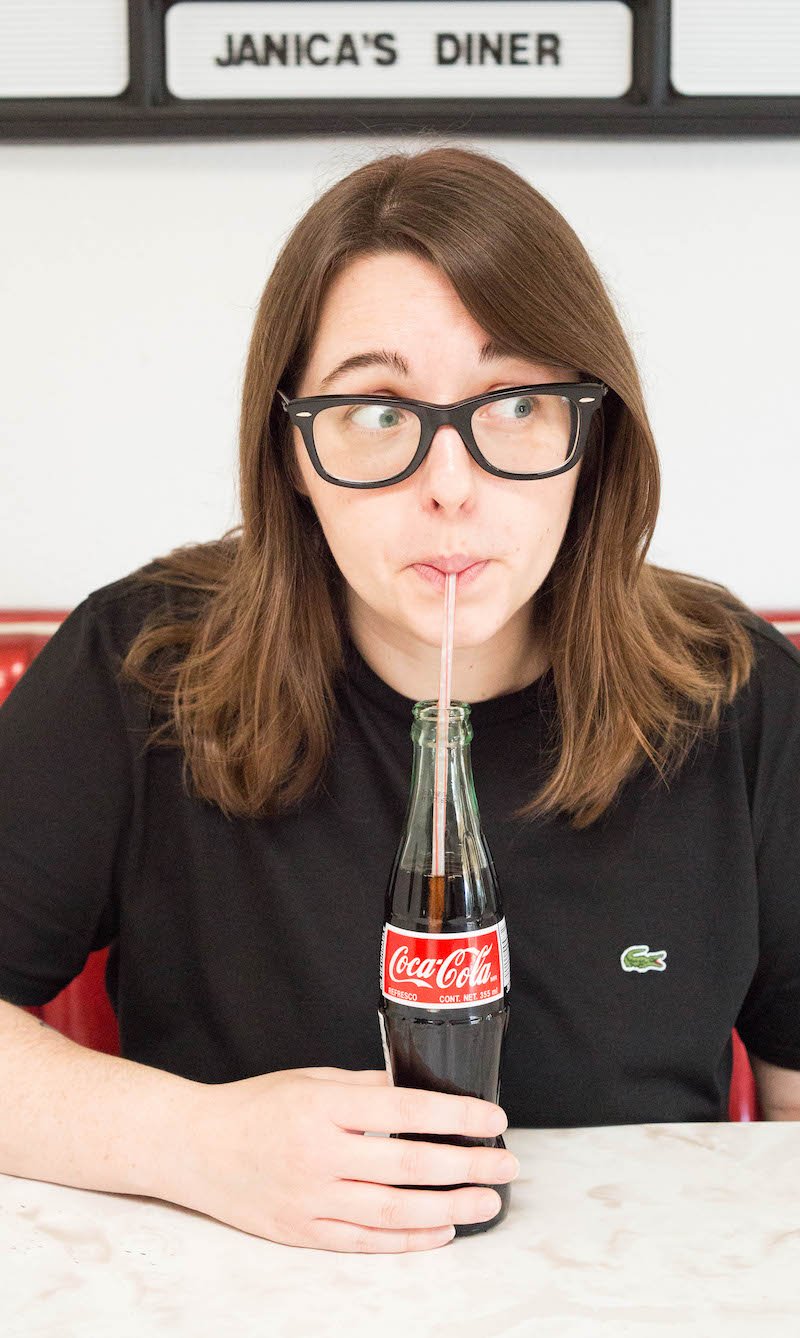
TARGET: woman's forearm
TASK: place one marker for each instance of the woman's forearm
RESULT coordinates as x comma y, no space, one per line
77,1117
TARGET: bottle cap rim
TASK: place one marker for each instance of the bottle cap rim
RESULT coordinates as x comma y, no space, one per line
429,710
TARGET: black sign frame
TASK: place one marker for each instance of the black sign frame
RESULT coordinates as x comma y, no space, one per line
146,110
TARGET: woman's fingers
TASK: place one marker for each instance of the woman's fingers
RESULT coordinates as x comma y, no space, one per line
399,1110
363,1077
392,1209
328,1234
402,1161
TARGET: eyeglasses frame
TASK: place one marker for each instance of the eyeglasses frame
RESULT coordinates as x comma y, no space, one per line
585,396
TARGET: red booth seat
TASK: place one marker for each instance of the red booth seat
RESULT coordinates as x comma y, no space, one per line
83,1011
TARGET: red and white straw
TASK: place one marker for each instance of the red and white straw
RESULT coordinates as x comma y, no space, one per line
443,723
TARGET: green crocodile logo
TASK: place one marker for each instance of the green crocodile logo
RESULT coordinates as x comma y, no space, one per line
640,958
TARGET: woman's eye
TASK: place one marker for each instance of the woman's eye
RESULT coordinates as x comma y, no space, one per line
376,416
519,406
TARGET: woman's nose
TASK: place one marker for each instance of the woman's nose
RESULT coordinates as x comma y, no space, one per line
448,473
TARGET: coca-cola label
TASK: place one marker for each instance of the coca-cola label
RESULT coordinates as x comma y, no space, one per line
444,970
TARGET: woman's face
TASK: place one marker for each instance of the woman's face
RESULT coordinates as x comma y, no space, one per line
405,309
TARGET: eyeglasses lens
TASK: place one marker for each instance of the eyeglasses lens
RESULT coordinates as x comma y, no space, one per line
525,434
363,443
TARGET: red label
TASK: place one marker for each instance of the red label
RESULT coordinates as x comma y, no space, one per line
444,970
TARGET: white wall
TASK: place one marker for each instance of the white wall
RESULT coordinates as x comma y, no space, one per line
129,279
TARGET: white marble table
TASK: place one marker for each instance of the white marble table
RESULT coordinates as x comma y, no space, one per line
631,1231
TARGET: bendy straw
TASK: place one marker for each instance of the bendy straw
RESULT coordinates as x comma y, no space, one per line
436,909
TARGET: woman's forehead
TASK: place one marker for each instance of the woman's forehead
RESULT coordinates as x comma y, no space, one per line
378,292
397,312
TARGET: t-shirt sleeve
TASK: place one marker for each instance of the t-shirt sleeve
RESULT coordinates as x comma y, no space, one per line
769,1021
65,802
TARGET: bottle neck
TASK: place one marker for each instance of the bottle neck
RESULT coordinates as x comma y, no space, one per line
463,842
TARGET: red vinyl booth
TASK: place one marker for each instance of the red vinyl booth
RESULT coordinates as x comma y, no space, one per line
83,1011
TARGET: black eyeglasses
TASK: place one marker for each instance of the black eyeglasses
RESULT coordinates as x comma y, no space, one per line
522,432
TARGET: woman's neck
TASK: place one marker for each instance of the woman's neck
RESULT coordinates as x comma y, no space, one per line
510,660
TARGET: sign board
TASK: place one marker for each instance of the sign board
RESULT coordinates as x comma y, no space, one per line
120,69
48,50
400,50
736,47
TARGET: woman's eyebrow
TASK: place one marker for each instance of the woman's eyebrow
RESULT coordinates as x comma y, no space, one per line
374,358
492,351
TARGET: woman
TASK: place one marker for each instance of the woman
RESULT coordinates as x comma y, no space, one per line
637,737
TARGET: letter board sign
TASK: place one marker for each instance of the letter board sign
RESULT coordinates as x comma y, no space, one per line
171,69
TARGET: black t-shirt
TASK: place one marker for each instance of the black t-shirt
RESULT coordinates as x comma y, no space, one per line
239,947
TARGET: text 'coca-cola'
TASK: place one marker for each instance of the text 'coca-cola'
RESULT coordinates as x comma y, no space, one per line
444,970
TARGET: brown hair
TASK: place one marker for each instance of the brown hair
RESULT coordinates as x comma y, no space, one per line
643,657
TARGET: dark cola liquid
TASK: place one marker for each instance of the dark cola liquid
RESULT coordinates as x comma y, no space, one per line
457,1050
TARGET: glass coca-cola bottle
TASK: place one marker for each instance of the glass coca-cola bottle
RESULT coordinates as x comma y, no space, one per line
444,953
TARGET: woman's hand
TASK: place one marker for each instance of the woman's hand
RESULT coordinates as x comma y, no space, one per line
283,1156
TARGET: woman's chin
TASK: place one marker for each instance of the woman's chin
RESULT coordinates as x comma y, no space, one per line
473,627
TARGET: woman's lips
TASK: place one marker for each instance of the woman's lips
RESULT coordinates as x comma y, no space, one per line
436,577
